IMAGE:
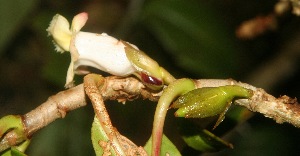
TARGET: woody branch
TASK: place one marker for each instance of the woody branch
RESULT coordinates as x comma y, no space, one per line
282,109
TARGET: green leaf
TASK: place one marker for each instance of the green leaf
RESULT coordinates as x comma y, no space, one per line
201,139
193,34
98,134
167,147
205,141
14,152
17,150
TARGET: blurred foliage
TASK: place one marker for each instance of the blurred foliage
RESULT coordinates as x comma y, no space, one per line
18,10
191,38
191,30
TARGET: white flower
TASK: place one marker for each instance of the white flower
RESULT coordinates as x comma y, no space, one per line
100,51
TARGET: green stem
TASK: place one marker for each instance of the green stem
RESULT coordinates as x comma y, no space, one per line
174,90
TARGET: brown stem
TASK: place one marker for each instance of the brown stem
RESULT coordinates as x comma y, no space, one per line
54,108
92,83
283,109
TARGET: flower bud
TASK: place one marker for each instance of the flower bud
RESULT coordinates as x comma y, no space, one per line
209,101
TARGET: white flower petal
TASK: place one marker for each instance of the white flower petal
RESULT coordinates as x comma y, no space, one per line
102,52
88,49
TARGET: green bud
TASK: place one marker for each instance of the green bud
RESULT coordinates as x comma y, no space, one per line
209,101
142,62
13,123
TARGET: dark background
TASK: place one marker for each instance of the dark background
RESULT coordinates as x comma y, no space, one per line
190,38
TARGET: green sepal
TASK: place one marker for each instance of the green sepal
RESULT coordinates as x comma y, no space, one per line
167,147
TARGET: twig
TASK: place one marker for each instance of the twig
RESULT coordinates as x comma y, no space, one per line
120,144
283,109
54,108
58,105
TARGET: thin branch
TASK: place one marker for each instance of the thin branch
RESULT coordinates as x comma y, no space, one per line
54,108
120,144
57,106
283,109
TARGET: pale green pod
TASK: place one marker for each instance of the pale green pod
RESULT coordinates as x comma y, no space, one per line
210,101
